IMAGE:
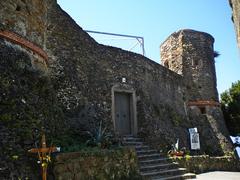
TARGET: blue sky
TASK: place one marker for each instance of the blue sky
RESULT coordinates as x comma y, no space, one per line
155,20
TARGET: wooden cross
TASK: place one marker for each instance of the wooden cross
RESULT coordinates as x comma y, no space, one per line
44,153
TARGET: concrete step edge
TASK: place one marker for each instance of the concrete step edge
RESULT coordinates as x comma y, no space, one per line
153,160
149,155
146,151
156,166
154,173
142,147
186,175
134,143
132,138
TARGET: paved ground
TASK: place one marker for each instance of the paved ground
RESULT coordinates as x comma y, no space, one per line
219,175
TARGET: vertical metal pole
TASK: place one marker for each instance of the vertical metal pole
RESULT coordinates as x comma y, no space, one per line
44,171
143,49
141,42
44,164
44,141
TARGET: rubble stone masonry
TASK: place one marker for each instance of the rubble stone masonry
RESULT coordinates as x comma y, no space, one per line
235,5
78,84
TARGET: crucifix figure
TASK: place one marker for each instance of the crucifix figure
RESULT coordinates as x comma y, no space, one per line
44,155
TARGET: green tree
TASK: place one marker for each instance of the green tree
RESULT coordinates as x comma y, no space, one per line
230,101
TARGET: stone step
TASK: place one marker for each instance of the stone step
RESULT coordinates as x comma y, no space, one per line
142,147
158,166
147,151
167,172
130,143
154,161
128,136
132,139
177,177
148,156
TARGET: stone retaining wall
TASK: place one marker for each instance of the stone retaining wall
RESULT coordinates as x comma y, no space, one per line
102,164
202,164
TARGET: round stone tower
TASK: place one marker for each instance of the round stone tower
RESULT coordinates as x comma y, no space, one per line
23,25
26,18
190,53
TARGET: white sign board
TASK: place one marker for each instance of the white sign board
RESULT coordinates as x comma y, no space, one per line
235,140
238,151
195,142
192,130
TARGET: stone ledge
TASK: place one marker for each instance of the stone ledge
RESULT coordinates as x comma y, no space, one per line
203,103
24,43
205,163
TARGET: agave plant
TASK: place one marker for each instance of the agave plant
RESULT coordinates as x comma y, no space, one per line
99,136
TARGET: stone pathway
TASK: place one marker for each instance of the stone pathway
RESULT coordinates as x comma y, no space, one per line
154,165
219,175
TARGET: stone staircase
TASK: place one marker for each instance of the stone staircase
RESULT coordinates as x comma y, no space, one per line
154,165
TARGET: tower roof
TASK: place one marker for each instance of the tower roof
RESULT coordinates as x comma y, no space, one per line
189,32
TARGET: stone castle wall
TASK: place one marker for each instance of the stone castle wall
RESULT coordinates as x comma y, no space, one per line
235,5
85,72
27,101
75,87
